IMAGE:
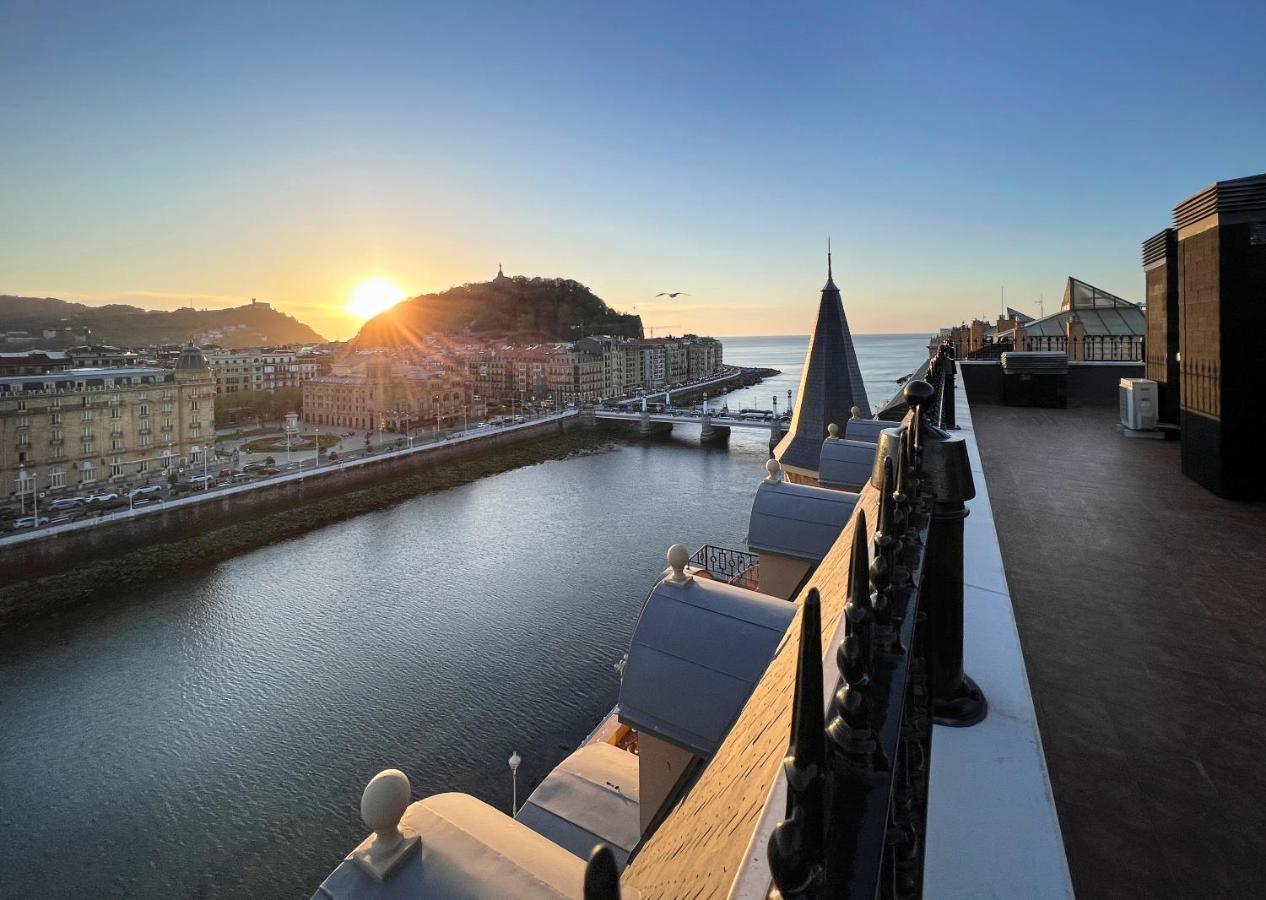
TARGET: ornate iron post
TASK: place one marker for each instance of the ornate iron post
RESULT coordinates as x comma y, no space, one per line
850,730
948,421
956,699
797,856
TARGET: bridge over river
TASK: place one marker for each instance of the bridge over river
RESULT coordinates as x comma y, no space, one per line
712,426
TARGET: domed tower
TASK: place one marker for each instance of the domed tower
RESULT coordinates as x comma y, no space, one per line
829,387
195,405
191,364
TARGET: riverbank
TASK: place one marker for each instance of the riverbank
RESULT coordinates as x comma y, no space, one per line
186,550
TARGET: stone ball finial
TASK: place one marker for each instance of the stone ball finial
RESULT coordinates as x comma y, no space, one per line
382,805
678,559
833,431
773,468
855,412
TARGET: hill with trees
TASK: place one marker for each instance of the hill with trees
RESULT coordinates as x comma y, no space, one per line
251,325
519,307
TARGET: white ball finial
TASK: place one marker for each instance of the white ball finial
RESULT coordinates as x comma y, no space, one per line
773,470
833,431
382,806
855,412
678,559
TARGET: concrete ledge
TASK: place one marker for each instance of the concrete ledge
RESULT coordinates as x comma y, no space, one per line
992,828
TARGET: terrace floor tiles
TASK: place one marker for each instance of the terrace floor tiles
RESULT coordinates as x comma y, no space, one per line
1140,600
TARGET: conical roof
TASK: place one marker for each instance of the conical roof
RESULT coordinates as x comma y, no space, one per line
830,386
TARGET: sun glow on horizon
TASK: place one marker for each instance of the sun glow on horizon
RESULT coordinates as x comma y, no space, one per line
372,296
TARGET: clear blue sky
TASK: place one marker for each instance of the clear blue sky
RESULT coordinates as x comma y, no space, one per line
166,151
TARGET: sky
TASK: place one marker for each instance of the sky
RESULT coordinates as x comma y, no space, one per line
175,154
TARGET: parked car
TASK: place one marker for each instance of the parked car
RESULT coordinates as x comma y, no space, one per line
200,480
145,490
29,522
102,497
65,503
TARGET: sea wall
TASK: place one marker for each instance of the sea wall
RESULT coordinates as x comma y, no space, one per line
42,576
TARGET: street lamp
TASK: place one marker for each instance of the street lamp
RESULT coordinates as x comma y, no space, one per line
514,761
22,487
206,451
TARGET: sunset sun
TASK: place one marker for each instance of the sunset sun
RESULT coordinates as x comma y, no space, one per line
372,296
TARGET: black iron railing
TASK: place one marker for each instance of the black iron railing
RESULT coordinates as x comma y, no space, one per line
1087,348
736,567
857,775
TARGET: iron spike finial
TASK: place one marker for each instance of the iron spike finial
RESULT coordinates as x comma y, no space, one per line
796,846
849,730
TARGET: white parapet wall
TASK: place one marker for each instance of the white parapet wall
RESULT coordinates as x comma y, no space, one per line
992,829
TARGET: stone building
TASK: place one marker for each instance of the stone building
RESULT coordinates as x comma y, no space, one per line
261,369
560,373
375,391
64,431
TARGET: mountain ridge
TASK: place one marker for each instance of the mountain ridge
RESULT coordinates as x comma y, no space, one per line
121,324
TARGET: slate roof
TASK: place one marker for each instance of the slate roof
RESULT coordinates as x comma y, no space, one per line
591,797
830,386
697,651
799,520
846,464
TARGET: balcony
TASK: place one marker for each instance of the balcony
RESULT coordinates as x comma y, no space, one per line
736,567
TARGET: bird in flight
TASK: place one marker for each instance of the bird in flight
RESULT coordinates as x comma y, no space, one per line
674,294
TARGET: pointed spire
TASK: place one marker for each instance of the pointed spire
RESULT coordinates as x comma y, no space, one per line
831,385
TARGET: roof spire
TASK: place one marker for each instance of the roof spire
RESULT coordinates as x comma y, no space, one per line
828,258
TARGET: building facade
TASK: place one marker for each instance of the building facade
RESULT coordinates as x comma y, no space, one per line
62,432
377,392
261,369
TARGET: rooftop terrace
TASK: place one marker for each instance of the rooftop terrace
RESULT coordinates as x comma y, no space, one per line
1139,598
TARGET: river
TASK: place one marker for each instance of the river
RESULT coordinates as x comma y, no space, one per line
210,735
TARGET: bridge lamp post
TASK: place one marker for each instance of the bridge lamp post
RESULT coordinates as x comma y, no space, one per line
514,761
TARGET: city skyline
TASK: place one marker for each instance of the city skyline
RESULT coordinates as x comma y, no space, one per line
206,156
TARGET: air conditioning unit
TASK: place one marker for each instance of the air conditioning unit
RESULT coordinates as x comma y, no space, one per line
1138,404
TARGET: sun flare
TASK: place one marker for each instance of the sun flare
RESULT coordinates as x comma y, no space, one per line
372,296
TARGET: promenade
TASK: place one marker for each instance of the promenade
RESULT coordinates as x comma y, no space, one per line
305,467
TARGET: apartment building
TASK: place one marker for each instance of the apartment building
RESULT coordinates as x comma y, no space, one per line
373,391
261,369
63,431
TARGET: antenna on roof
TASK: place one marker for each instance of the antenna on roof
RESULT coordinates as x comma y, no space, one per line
828,257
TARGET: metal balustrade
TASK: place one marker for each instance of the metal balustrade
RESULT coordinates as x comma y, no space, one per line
736,567
857,775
